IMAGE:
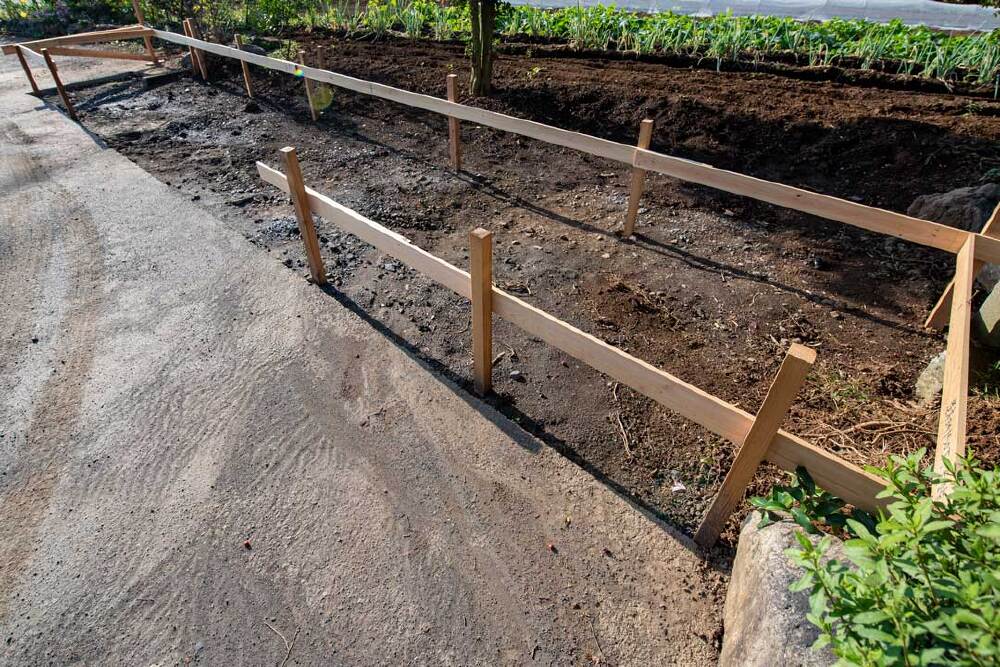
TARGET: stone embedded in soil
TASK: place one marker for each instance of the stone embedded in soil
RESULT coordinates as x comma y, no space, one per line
963,208
766,623
930,381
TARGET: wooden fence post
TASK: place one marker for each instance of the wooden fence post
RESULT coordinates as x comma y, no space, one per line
142,21
638,179
246,67
939,315
454,129
481,272
202,59
27,70
59,85
297,190
955,385
309,91
191,56
197,55
784,387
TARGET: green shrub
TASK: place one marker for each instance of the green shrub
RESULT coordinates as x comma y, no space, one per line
923,584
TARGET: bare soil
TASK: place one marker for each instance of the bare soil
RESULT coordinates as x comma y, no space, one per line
713,288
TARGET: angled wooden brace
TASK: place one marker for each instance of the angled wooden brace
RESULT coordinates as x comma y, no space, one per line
772,413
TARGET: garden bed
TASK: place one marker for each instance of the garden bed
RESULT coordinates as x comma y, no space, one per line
712,289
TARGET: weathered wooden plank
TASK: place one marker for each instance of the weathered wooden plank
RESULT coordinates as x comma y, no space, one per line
866,217
528,128
787,451
246,68
824,206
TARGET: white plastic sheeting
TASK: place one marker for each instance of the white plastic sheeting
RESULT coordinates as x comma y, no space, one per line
911,12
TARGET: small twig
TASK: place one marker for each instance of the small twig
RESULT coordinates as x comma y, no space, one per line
288,644
596,638
624,433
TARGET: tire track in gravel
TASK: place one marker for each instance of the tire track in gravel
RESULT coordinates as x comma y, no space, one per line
60,231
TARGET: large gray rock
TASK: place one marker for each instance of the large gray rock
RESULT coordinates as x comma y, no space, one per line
965,208
765,624
931,380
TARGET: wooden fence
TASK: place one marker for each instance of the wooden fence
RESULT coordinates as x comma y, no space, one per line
968,247
972,250
759,435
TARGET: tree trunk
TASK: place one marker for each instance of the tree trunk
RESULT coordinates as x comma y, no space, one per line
484,15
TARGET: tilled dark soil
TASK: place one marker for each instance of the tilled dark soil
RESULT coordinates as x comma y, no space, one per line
713,288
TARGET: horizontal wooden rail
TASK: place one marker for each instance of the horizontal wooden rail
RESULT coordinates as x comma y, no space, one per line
94,53
871,218
125,32
824,206
787,451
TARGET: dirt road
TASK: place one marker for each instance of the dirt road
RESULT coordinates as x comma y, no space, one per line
203,457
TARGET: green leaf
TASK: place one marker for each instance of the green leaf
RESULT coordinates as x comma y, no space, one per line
874,634
990,531
933,526
803,520
870,617
861,531
802,583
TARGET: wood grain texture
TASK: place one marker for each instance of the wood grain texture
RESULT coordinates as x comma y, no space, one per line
638,180
202,58
192,55
955,388
773,411
481,277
